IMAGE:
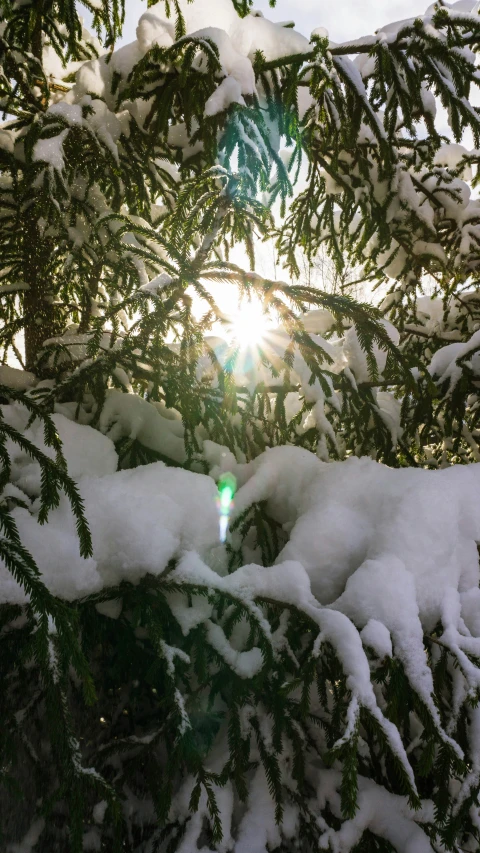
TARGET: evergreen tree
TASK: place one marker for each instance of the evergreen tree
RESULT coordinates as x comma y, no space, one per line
188,708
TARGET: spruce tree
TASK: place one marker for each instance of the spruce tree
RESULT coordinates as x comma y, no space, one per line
218,705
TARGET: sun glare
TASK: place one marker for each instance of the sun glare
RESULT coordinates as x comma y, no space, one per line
249,324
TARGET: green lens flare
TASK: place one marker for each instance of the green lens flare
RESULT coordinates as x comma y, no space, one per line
226,497
227,486
226,491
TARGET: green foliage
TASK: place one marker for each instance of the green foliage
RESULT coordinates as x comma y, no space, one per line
49,636
121,207
59,22
165,700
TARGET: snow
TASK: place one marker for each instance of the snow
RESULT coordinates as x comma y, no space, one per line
7,140
468,7
129,416
390,410
450,155
155,285
376,559
229,92
275,40
111,608
386,815
99,811
19,380
167,510
445,363
104,122
245,664
88,452
152,31
258,831
52,62
195,14
370,594
247,34
377,637
233,62
71,113
355,527
382,549
345,513
93,78
195,824
318,322
288,582
50,151
320,32
29,841
237,41
356,358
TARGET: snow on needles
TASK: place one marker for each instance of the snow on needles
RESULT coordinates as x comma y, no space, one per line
237,40
376,558
167,511
382,547
343,518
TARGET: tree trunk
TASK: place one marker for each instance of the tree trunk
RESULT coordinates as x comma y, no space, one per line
38,299
37,43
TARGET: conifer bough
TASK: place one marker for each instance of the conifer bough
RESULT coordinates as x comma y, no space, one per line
202,701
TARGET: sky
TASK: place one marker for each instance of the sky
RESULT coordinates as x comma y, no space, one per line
344,19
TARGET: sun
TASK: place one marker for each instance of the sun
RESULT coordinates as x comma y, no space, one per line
249,324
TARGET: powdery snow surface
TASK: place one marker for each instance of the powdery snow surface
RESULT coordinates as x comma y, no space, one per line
139,519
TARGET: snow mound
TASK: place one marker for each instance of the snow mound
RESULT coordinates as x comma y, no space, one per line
445,363
129,416
376,560
396,548
87,452
20,380
343,519
383,547
345,513
140,519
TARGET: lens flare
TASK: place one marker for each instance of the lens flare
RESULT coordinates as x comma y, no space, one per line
227,486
